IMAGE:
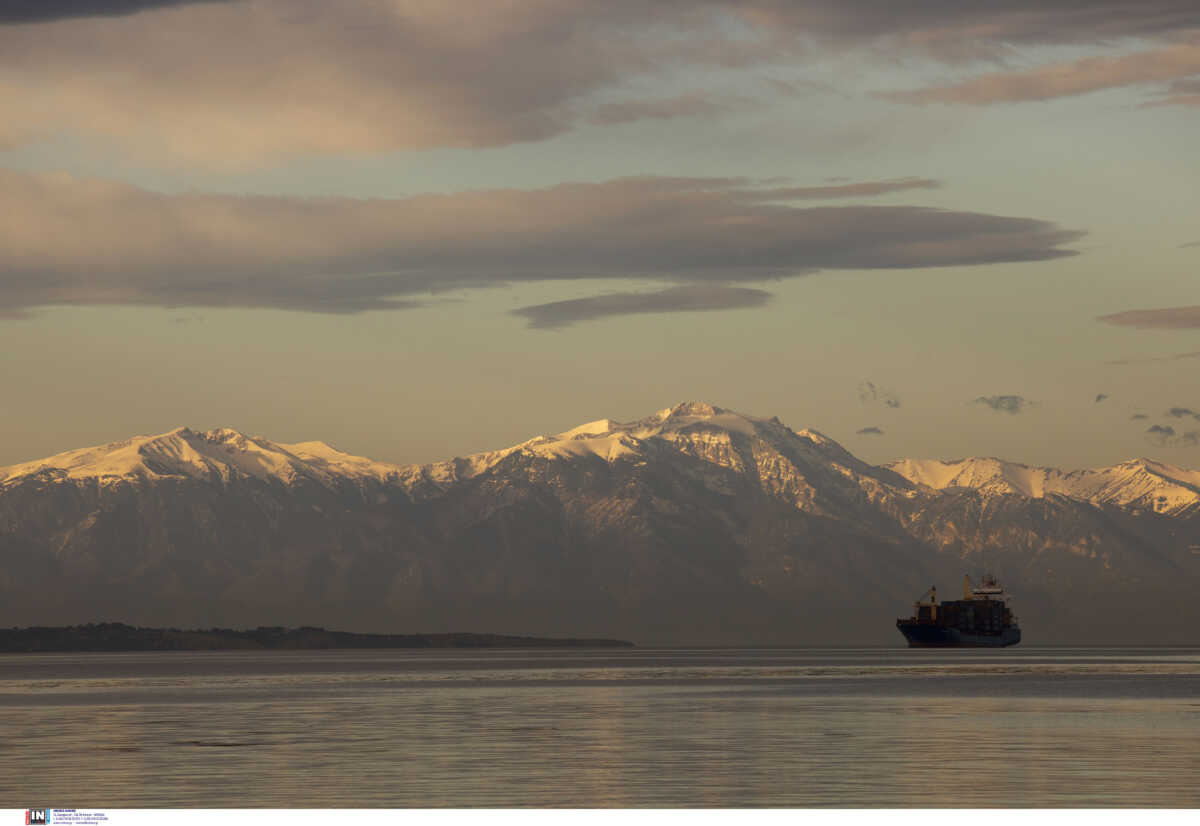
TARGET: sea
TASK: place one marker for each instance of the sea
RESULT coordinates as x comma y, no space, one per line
587,728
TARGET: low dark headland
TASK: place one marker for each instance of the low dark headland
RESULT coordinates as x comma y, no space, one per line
116,636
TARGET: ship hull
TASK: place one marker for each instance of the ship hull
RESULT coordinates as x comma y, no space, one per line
925,635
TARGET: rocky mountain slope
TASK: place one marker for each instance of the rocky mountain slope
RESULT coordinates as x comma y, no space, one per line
694,524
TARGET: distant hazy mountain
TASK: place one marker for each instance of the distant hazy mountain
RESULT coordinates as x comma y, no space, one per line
694,524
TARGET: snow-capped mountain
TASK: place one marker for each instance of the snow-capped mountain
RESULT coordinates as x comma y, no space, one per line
220,454
695,523
765,448
780,459
1141,484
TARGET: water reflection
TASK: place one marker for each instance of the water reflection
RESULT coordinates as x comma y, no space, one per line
586,729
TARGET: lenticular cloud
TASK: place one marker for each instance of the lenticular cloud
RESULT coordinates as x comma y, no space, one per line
84,241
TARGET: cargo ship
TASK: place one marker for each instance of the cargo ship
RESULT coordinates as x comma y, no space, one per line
980,619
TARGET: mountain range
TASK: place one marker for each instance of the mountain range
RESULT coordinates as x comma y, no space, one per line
693,525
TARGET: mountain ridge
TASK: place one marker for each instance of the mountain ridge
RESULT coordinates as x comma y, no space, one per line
694,524
223,452
1141,483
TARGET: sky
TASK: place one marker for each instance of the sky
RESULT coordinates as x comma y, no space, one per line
419,229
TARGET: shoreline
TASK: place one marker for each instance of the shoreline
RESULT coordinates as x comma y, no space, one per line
116,636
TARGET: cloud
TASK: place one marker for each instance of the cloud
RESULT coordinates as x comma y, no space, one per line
1065,79
40,11
68,240
1101,397
1160,433
1138,417
1187,87
940,25
1165,436
855,190
1182,413
1156,359
689,299
684,106
869,431
297,77
869,393
1180,93
1168,318
1004,404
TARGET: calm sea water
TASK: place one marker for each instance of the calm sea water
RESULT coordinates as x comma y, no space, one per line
675,728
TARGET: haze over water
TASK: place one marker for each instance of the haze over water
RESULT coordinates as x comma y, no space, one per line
1037,727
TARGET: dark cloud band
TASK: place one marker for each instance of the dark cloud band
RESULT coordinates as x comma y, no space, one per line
83,241
1079,77
372,76
42,11
1012,21
690,299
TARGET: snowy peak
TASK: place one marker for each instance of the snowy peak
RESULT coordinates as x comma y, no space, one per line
606,439
587,430
804,467
988,474
701,410
697,415
688,421
219,454
807,468
334,463
1142,484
